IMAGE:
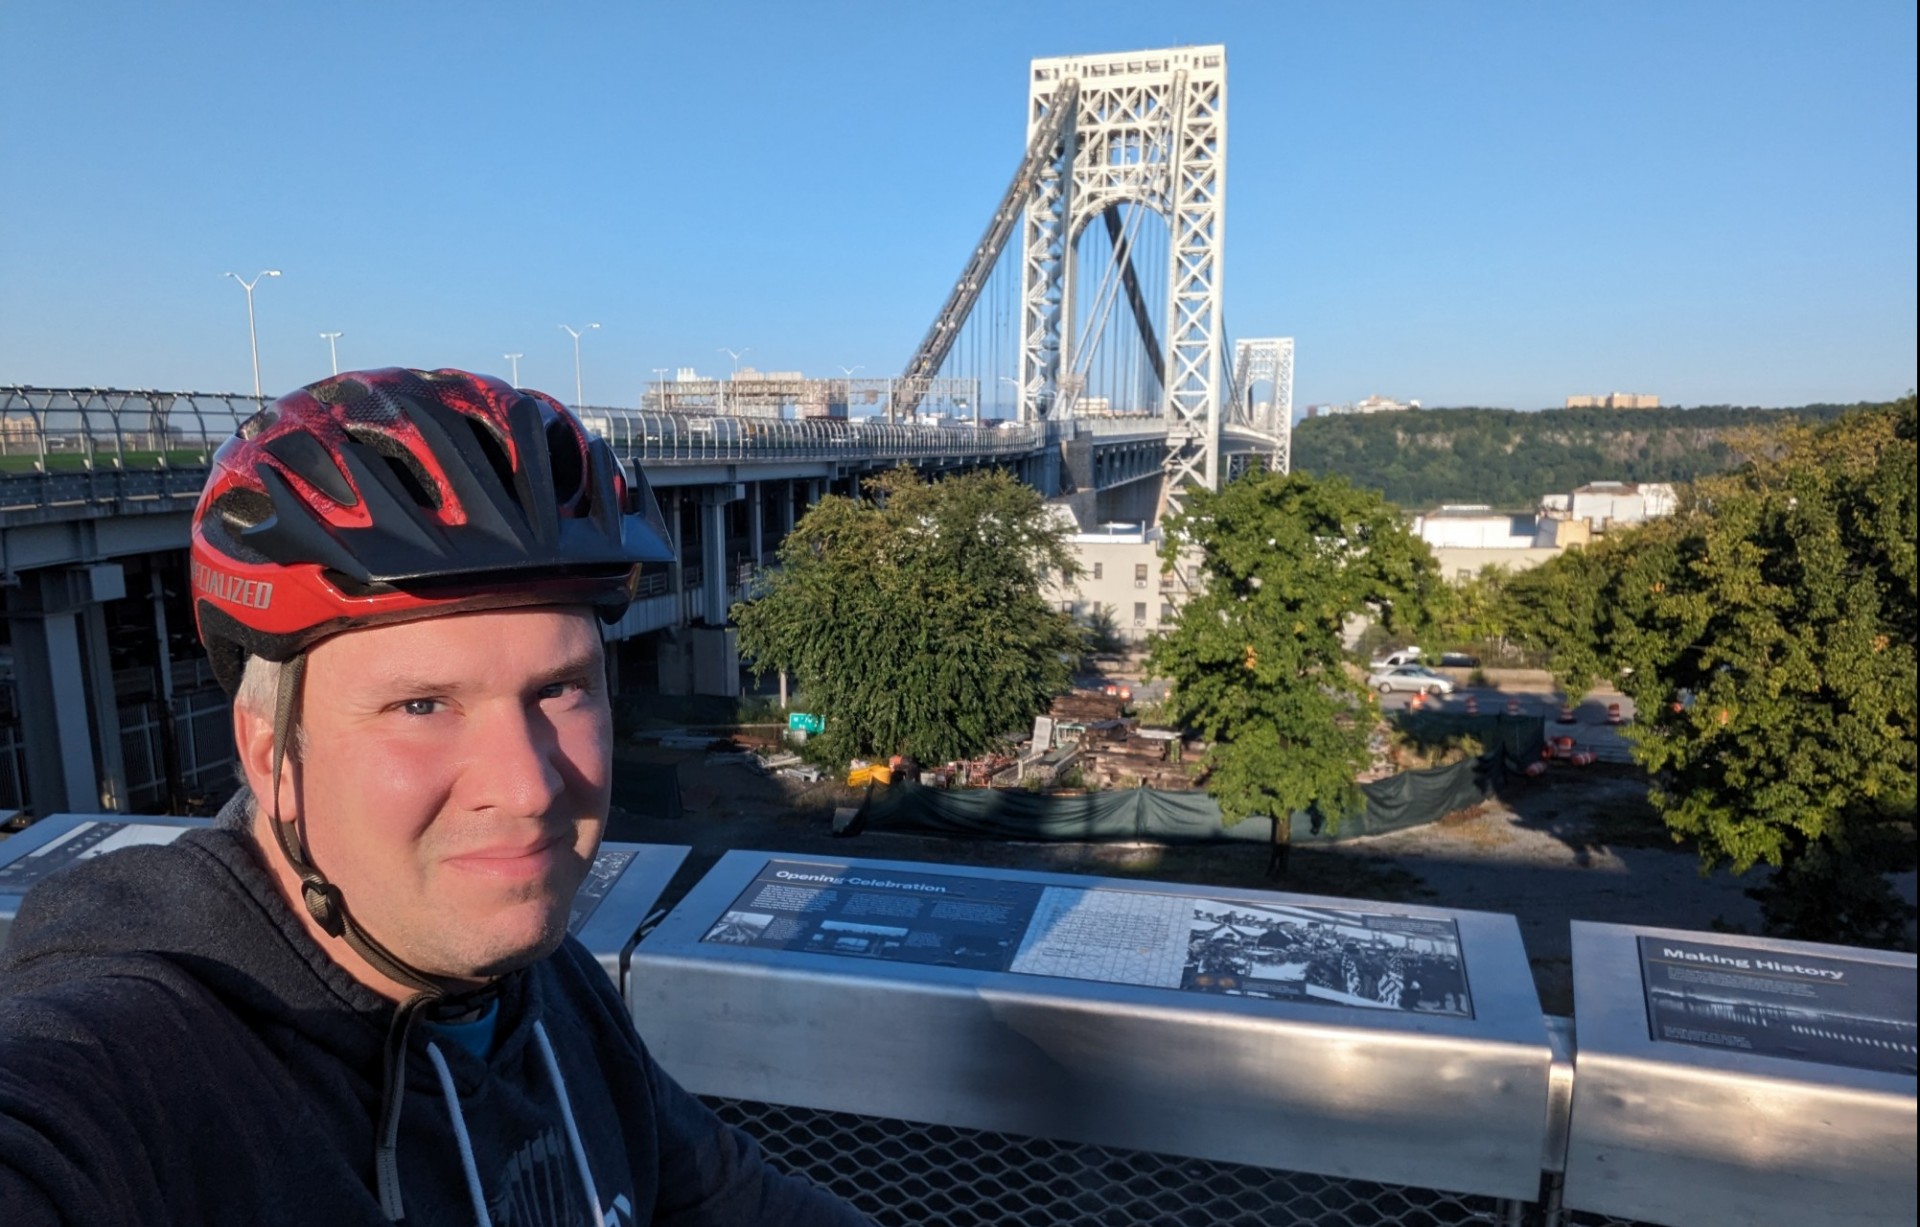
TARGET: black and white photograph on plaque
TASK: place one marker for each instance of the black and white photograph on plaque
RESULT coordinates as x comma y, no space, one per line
739,928
1373,961
1802,1007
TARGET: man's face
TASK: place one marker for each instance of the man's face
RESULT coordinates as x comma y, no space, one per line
455,781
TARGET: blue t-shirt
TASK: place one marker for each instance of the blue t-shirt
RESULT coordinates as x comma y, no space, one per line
474,1035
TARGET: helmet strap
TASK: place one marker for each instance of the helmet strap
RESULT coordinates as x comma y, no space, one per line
328,907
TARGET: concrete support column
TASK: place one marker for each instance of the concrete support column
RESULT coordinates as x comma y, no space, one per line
63,681
53,711
790,490
676,566
757,523
713,558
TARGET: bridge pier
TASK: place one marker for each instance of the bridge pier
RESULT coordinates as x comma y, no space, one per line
756,523
63,682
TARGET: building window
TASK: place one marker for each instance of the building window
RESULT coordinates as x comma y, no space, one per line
1096,570
1066,607
1139,613
1139,574
1166,612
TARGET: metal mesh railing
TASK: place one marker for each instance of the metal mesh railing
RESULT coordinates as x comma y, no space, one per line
903,1174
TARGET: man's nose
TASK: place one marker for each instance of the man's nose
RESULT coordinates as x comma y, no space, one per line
514,767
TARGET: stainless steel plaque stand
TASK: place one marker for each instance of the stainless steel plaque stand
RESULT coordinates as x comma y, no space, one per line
1313,1035
1770,1095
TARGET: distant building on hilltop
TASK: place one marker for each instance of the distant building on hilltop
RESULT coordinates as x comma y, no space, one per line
1372,404
1615,400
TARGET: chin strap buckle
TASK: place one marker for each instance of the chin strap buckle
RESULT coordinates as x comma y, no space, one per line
324,905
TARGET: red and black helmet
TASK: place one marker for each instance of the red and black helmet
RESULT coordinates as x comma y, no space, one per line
384,496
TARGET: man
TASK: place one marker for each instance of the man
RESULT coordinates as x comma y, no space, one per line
354,1001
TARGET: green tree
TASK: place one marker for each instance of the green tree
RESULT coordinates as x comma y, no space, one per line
1766,633
1255,657
913,621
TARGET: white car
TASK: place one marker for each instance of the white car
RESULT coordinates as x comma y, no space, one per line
1409,677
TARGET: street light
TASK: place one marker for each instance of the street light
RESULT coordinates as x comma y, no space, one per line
576,335
660,382
515,359
726,398
848,371
1017,403
333,352
253,337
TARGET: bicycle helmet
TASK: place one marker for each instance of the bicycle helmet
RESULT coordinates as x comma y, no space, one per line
382,496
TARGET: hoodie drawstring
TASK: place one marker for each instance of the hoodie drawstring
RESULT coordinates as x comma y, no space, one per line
566,1114
451,1093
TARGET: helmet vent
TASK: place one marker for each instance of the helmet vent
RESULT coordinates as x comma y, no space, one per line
231,514
563,451
406,469
496,455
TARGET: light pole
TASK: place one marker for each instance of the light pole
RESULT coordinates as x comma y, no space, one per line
515,359
333,352
848,371
1016,392
576,335
726,400
253,337
660,387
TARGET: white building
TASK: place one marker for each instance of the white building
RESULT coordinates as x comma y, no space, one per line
1608,504
1465,537
1120,570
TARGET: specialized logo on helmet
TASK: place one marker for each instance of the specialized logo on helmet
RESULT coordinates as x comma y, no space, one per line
252,593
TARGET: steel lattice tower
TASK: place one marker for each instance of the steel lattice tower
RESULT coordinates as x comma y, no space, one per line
1266,360
1147,127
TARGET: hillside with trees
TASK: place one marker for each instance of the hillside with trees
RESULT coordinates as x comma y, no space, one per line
1506,458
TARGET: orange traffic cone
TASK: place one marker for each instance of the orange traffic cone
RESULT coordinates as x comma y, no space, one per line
1513,706
1473,706
1613,713
1566,713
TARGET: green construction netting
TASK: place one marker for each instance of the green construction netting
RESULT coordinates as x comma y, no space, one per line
1409,799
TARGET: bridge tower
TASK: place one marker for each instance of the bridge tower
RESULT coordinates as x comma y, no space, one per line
1266,361
1146,127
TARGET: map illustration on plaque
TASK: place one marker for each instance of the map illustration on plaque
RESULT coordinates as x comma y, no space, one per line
1285,952
1798,1006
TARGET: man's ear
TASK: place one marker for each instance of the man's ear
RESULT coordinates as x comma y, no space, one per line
253,742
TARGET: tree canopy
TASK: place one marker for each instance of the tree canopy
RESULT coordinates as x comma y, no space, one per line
1255,656
913,620
1766,633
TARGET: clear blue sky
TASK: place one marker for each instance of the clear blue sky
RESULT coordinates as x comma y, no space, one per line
1467,203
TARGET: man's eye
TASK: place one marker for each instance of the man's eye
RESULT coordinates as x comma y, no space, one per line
420,707
559,690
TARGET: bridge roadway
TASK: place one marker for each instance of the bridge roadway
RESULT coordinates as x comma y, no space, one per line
96,489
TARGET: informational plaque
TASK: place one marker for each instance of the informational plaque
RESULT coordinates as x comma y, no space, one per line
85,839
1329,956
1804,1007
607,867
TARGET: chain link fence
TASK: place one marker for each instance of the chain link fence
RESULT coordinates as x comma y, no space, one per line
903,1174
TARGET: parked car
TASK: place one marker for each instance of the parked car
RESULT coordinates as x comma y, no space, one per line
1399,656
1409,677
1459,660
